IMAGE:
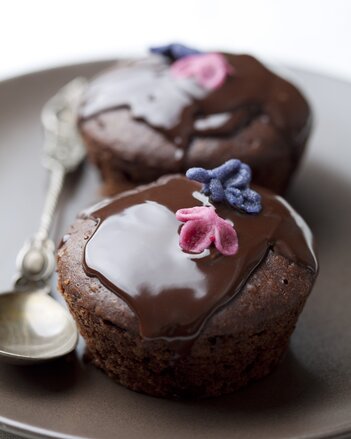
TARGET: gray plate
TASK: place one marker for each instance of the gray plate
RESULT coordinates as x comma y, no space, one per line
310,393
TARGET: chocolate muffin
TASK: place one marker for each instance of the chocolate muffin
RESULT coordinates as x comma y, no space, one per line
192,310
180,108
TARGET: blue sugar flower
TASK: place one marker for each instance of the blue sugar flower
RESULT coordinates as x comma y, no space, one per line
174,51
247,200
229,182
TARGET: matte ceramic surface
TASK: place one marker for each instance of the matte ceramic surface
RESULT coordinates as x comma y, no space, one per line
309,395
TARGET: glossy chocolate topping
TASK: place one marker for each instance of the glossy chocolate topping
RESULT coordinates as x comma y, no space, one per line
135,253
181,109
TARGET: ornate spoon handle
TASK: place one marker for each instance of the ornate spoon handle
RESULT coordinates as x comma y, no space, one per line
62,153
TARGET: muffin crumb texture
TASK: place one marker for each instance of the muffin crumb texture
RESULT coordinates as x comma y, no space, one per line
242,342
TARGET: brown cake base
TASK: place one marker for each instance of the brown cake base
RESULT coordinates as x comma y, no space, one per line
127,151
242,342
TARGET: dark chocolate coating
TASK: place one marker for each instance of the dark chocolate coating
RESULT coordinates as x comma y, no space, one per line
139,121
135,252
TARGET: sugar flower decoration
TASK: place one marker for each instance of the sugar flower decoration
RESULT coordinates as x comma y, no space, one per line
229,182
208,69
202,228
174,51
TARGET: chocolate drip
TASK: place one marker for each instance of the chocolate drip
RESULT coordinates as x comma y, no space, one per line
135,253
178,107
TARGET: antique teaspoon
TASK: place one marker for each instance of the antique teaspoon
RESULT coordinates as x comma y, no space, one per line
33,326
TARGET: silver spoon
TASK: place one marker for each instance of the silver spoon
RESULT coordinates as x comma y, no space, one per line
33,326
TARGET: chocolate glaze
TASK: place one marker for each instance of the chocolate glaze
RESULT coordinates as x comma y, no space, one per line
182,109
135,253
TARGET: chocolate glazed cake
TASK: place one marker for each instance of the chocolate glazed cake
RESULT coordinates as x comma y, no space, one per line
172,323
146,118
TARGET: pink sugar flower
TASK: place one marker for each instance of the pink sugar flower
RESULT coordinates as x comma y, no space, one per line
202,228
209,69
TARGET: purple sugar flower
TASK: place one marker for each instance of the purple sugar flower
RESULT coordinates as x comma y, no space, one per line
229,182
174,51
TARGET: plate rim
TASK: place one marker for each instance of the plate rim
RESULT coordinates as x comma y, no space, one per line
103,60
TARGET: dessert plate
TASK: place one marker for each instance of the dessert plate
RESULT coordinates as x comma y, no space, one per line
308,396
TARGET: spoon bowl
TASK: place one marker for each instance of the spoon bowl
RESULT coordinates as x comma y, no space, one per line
34,327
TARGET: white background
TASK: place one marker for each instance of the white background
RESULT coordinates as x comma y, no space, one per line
315,34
